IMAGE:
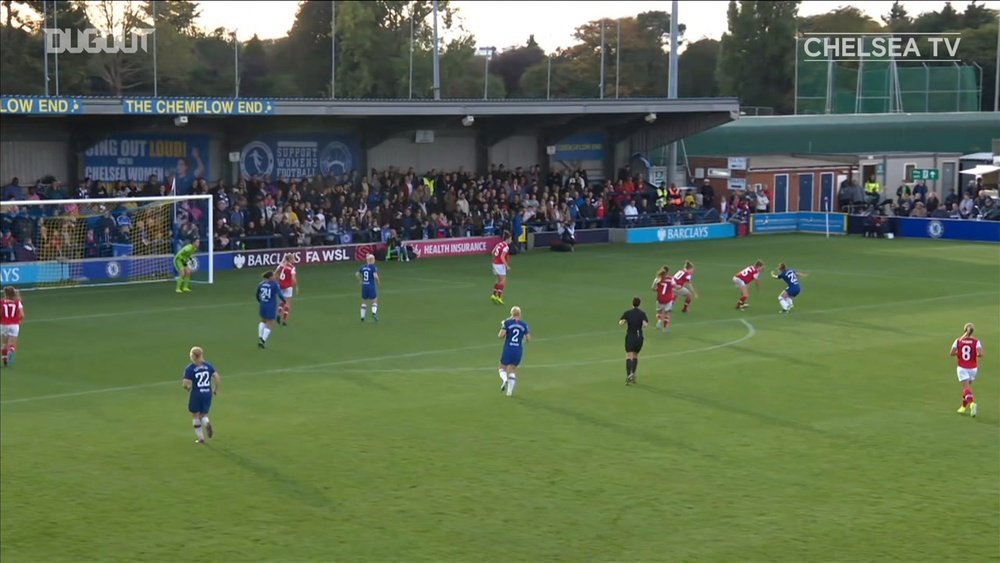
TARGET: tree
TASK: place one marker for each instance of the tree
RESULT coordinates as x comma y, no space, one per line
756,55
897,19
176,56
845,19
936,22
512,63
980,46
120,72
696,72
977,15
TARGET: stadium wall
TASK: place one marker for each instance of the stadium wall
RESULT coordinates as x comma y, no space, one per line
450,150
30,151
519,150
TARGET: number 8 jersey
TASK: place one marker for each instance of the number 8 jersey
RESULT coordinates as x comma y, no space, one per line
967,350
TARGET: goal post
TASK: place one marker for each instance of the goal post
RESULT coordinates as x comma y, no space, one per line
104,241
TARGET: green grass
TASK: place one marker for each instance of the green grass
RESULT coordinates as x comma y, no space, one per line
829,434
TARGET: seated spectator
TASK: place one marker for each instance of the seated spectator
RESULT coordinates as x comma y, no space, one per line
631,212
27,251
932,203
967,207
919,210
7,245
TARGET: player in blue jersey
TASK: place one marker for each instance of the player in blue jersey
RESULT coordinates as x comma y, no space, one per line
202,382
268,295
791,278
368,276
515,335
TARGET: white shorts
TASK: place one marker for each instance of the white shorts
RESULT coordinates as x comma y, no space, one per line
964,374
682,291
500,269
739,283
10,330
665,306
288,292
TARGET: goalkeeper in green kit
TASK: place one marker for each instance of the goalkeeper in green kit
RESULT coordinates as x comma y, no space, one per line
183,262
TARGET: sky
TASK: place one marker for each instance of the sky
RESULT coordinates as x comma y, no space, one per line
505,24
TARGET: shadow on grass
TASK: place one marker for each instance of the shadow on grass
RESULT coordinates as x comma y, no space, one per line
289,485
706,401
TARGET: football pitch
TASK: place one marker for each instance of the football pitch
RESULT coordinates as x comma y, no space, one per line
829,434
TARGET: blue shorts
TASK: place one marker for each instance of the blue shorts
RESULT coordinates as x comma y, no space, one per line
794,290
511,356
268,312
368,292
199,402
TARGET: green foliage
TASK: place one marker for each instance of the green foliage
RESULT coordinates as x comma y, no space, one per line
756,59
696,70
845,19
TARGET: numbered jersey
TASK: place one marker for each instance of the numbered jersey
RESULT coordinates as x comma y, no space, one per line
286,277
516,331
267,293
967,350
748,274
664,290
200,377
11,311
682,278
500,253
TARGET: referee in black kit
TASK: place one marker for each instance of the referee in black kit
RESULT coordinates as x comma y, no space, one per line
634,321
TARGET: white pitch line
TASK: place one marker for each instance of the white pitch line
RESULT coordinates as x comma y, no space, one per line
751,332
476,347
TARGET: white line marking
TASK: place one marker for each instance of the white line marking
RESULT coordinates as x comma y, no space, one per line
477,347
751,332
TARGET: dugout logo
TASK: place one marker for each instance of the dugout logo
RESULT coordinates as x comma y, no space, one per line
935,229
113,269
256,159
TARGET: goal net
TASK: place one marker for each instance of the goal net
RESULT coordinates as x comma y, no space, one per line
81,242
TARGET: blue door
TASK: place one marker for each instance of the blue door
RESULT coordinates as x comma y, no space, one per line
826,191
780,193
805,192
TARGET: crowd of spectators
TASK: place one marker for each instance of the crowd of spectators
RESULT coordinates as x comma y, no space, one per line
915,200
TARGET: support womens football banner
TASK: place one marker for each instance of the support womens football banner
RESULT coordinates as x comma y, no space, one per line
139,156
300,155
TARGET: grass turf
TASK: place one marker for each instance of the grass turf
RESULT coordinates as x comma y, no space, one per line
827,434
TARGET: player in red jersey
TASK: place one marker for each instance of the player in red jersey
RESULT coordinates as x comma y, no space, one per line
288,281
683,285
663,285
11,315
501,263
743,278
968,350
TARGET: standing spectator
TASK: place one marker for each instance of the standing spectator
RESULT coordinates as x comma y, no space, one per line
966,208
707,194
873,190
763,202
920,192
12,190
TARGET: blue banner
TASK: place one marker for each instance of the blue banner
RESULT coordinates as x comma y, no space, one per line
30,273
39,105
585,146
196,106
798,222
680,233
815,222
138,156
950,229
774,223
300,155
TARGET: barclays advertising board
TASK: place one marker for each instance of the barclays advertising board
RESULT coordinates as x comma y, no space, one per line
680,233
949,229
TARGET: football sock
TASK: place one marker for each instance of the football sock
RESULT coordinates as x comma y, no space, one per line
180,282
260,330
266,333
496,289
511,384
742,300
197,430
628,367
967,397
503,375
666,320
374,309
186,283
3,351
635,365
364,311
204,421
500,289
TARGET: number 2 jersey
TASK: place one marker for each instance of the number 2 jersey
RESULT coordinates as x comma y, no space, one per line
967,350
11,312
